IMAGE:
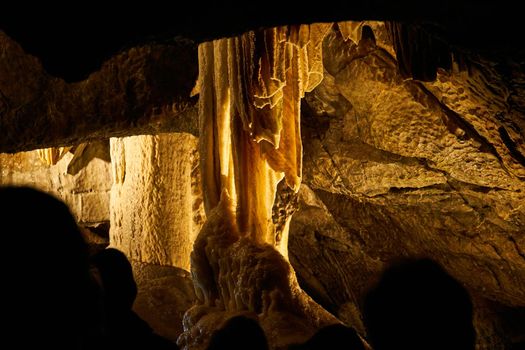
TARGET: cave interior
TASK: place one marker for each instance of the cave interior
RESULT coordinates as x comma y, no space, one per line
274,162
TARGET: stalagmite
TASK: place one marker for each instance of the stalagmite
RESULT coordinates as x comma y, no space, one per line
250,89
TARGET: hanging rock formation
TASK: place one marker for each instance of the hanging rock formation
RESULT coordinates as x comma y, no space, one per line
250,90
393,166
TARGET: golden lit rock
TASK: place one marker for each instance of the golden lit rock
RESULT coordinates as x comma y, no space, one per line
411,146
50,156
249,96
156,205
235,274
395,167
86,192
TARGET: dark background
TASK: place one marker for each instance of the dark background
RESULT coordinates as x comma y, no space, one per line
74,39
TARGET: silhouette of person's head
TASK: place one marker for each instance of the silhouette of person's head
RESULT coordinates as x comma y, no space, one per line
239,332
417,305
118,283
335,336
47,291
124,328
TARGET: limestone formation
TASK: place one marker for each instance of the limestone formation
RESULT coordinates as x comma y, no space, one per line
141,90
397,168
250,88
156,203
164,295
400,158
86,193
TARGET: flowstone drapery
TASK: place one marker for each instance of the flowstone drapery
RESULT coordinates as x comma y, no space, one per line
250,90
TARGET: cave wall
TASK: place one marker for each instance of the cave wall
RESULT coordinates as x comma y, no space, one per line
148,192
397,168
86,192
393,168
164,209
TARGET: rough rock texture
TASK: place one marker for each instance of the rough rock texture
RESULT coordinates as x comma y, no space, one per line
235,274
145,89
329,262
156,204
164,294
86,192
397,168
250,88
392,167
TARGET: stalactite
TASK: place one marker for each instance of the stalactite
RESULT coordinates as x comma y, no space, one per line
51,156
250,89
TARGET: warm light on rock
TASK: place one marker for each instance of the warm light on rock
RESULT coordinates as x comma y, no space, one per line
156,203
50,156
306,160
250,88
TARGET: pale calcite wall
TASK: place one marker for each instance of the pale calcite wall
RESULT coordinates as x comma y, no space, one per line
86,193
156,206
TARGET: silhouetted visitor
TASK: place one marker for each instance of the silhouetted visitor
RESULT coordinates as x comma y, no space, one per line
417,305
125,329
48,299
239,332
333,337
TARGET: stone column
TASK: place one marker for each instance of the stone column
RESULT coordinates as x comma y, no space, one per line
156,206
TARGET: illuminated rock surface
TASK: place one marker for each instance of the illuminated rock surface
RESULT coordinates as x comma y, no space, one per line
397,168
250,89
156,204
392,167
